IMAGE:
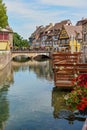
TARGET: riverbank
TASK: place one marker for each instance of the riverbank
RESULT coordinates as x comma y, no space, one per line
5,58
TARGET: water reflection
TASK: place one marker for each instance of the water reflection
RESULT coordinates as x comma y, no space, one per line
28,103
58,102
6,76
60,110
4,108
42,69
6,79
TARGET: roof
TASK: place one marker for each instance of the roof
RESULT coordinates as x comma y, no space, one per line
48,27
55,30
60,24
81,22
38,30
36,34
41,29
74,31
9,28
85,22
5,30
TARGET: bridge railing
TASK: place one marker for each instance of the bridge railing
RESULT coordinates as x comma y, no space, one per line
30,51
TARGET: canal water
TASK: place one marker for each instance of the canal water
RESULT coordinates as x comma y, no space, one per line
30,101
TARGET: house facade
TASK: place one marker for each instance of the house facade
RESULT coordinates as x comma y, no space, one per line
62,35
70,38
84,32
81,22
35,38
44,35
53,34
6,39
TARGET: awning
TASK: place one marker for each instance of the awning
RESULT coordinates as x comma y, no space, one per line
4,45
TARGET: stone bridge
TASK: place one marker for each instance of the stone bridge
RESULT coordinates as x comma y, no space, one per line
30,54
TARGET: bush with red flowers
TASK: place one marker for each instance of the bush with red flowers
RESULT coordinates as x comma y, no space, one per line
77,98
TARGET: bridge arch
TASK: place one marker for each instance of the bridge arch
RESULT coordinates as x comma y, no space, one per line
18,54
41,57
29,54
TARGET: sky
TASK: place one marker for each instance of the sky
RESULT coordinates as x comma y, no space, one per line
25,15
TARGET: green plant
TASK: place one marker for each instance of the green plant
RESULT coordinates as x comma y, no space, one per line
77,98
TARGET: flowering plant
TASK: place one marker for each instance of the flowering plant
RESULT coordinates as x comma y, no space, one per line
77,98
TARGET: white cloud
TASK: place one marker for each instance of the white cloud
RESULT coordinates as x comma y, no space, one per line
18,8
24,10
71,3
25,16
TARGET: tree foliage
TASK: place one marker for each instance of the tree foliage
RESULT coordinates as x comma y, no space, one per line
3,15
19,42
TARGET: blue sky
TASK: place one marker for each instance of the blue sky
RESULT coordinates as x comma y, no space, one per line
25,15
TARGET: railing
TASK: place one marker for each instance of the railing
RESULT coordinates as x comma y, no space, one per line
65,67
30,51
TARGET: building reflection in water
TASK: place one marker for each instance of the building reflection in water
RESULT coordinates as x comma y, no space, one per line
4,108
43,69
6,78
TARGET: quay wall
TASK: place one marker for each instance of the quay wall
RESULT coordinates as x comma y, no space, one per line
5,58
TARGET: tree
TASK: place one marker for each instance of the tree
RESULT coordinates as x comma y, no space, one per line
19,42
3,15
16,39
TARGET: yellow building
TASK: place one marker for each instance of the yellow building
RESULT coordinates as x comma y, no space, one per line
6,39
74,46
4,45
71,37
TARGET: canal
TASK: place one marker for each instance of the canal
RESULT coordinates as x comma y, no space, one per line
30,101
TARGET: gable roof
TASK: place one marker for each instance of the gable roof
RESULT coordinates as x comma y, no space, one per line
41,29
81,22
48,27
60,24
38,30
85,22
55,30
74,31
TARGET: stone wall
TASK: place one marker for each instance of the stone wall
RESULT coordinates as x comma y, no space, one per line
5,58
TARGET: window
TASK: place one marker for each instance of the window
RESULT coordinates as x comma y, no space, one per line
66,41
63,41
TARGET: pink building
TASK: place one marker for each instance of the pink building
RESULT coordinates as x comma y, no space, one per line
6,39
4,36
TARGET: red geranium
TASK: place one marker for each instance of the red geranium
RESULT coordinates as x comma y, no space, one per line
81,80
77,98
